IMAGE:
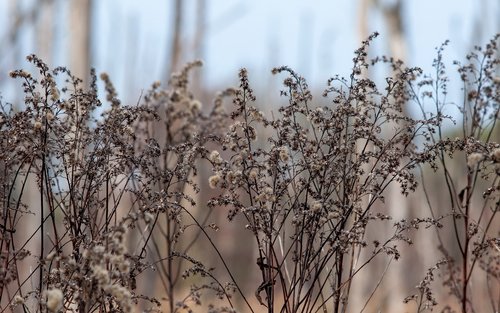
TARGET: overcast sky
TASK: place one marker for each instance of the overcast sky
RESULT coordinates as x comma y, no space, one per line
316,38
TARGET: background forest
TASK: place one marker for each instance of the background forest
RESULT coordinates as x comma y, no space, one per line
211,156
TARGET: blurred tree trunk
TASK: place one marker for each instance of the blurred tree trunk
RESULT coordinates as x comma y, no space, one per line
393,16
45,30
199,43
399,206
80,45
10,49
175,43
396,206
19,19
363,17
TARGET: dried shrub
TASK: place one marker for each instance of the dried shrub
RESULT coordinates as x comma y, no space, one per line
96,208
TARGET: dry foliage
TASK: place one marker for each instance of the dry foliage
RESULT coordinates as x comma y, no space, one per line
116,206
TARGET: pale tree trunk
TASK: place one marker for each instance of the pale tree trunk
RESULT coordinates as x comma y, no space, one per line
45,30
363,16
394,23
33,17
391,292
175,43
10,48
398,205
80,45
199,43
359,289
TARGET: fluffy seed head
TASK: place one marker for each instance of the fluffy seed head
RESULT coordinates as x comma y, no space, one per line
495,155
316,206
215,157
37,125
283,154
54,299
214,180
473,159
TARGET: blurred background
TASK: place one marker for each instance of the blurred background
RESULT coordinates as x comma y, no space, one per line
140,42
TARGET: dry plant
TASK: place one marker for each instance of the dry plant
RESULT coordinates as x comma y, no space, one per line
112,191
116,208
311,189
469,165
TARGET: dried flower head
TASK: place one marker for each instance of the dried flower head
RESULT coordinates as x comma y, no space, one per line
253,174
283,154
214,180
474,158
37,125
17,300
195,105
215,157
316,206
495,155
54,299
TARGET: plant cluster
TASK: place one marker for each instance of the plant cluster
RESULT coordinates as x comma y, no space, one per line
95,209
471,187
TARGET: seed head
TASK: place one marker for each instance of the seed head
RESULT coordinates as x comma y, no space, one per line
283,154
253,174
215,157
495,155
37,125
214,180
195,105
17,300
54,299
316,206
473,159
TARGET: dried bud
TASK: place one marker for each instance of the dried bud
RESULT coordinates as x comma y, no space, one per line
49,116
37,125
316,206
283,154
214,180
215,157
473,159
17,300
195,105
253,174
495,155
54,299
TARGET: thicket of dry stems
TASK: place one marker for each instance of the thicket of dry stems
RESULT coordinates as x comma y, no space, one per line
117,205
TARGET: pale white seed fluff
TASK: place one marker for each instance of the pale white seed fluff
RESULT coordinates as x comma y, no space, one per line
495,155
54,299
18,300
473,159
253,174
316,206
214,180
195,105
215,157
283,154
37,125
